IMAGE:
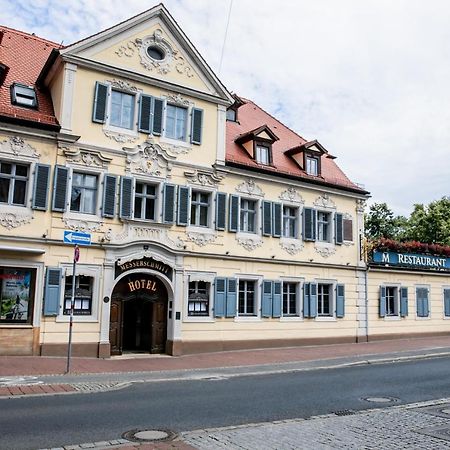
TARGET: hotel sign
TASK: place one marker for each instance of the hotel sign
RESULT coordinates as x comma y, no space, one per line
412,260
144,263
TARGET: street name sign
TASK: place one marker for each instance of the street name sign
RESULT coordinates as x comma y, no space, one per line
77,237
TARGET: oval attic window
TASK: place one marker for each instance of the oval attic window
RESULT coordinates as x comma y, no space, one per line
155,53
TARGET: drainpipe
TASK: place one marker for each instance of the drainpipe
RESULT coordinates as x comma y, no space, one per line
366,301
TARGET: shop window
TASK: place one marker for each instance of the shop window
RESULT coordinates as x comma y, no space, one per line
84,193
145,201
200,206
198,298
13,183
247,298
83,295
290,299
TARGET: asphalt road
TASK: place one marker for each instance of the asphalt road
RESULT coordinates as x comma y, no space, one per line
52,421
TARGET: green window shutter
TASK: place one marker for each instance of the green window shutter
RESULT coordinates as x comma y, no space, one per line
231,302
276,299
109,196
340,300
169,203
382,301
41,185
309,224
220,290
266,300
403,301
267,218
60,182
276,216
221,210
100,97
145,113
52,291
184,196
126,197
158,109
197,125
306,292
339,228
313,300
447,302
234,213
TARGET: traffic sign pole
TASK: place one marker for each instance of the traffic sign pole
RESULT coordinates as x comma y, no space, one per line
76,257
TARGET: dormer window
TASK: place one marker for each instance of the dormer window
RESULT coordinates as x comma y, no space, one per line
262,154
312,165
231,115
258,144
308,156
22,95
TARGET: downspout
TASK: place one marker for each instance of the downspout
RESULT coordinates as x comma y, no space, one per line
366,301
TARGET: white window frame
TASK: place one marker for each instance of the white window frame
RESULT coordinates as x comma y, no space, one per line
258,279
299,293
428,288
330,233
209,222
97,188
397,287
28,182
189,106
259,148
257,216
310,158
158,202
208,277
332,316
297,222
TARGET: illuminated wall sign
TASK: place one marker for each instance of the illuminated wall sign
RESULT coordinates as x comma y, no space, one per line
144,263
412,260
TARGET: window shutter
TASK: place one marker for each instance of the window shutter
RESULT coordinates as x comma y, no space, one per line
348,229
197,125
234,213
403,301
221,210
52,291
309,224
266,301
276,299
231,298
382,301
276,227
267,218
158,107
306,289
447,302
126,197
101,94
313,300
109,196
145,116
422,302
340,300
60,179
41,184
339,228
219,297
169,203
184,194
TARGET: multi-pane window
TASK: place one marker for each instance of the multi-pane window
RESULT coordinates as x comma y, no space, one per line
198,298
312,166
145,201
248,216
289,299
262,154
122,109
289,221
82,297
323,226
200,208
247,298
176,122
391,301
13,183
324,300
84,193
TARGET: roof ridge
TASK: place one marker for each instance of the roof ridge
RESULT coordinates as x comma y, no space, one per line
33,36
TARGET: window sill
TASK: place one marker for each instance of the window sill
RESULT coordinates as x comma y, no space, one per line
291,319
174,142
325,319
193,319
423,318
21,325
247,319
392,318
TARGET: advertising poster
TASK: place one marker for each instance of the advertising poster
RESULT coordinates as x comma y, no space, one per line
14,294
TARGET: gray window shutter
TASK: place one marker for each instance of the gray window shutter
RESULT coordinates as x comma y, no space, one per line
60,182
101,94
348,229
447,302
184,196
339,228
41,185
276,216
340,300
52,291
158,108
267,218
220,290
382,301
276,299
126,197
266,301
197,125
109,196
403,301
231,303
313,300
221,210
234,213
145,113
169,203
306,290
422,302
309,224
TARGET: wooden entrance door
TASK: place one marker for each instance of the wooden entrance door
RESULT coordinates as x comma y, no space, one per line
159,327
115,327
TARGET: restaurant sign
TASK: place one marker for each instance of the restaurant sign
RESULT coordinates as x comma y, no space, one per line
412,260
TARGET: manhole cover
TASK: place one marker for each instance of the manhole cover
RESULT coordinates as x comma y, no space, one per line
149,435
380,399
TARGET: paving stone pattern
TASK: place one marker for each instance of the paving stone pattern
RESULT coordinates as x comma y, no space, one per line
391,428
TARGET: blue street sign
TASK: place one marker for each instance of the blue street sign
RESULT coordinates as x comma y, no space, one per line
77,237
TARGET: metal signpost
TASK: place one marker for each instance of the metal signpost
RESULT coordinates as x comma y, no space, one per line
76,238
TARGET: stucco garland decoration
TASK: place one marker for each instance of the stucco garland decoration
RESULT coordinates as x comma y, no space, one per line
360,206
119,137
16,146
177,99
325,201
162,66
291,246
249,243
249,187
201,239
123,85
81,224
12,219
182,67
86,158
291,195
325,251
203,178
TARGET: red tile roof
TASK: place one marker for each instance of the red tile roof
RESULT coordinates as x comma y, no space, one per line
25,55
250,116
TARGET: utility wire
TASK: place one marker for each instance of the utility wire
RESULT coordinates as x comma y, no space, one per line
225,37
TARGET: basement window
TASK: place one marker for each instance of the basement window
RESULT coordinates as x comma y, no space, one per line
22,95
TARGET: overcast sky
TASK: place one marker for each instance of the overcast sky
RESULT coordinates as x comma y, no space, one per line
370,79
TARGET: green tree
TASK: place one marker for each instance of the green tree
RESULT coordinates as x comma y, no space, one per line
380,222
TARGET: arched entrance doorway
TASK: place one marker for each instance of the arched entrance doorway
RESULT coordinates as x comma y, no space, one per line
138,318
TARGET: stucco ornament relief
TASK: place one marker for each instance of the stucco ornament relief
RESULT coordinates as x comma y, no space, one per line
249,187
177,99
123,85
120,137
325,251
250,243
360,206
201,239
11,218
291,195
325,201
81,224
203,178
86,158
16,146
291,246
